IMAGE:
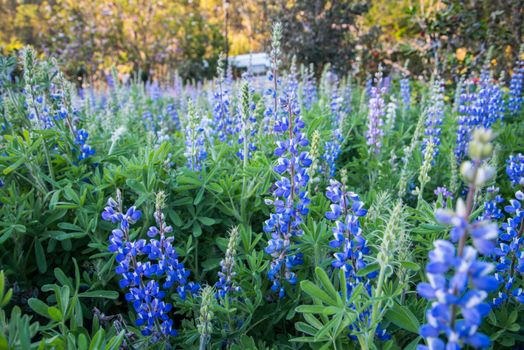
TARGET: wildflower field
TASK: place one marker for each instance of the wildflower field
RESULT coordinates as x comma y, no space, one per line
288,211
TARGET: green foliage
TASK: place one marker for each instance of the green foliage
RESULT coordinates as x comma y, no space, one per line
59,289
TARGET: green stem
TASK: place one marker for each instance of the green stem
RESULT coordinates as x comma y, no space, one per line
378,305
362,342
203,341
196,256
49,164
243,200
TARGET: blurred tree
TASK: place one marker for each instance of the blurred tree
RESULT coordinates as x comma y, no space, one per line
90,36
319,30
154,38
444,36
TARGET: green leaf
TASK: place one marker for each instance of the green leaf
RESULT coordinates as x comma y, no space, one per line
62,278
2,283
305,340
187,180
114,343
199,196
6,298
65,236
14,166
3,343
97,340
206,221
326,283
69,226
343,284
410,265
326,329
54,313
197,229
315,292
310,309
368,269
41,261
515,327
38,306
54,200
305,328
403,318
413,345
106,294
82,342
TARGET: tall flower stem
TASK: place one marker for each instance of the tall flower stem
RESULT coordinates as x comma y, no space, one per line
245,115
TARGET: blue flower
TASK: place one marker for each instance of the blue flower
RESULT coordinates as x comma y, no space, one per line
147,269
376,113
85,150
405,93
309,88
515,88
491,208
290,194
434,116
509,252
515,169
458,303
445,195
479,106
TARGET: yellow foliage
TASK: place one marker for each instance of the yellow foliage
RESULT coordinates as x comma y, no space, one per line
461,54
8,47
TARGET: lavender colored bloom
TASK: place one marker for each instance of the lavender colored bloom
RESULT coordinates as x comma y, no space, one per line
85,151
434,116
465,122
374,132
515,169
491,209
309,89
490,101
509,252
458,282
195,140
368,87
226,284
332,150
349,245
445,195
405,93
346,94
148,268
386,84
290,195
172,113
272,113
222,115
458,303
515,89
479,106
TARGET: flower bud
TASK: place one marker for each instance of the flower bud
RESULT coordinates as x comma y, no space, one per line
484,174
467,170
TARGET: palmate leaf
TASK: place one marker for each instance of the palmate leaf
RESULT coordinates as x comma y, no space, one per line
328,286
316,292
334,315
403,318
